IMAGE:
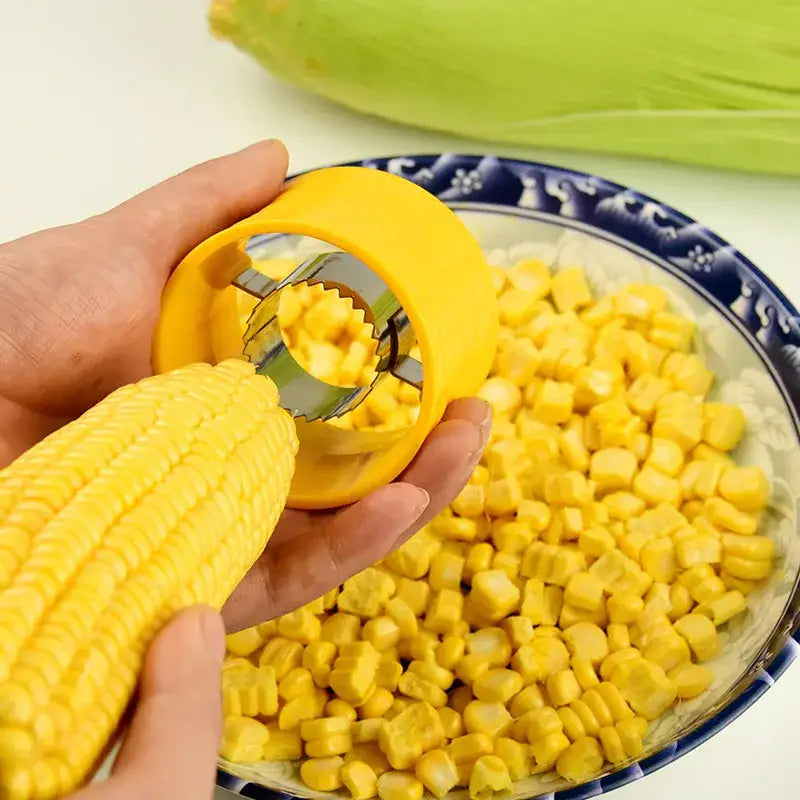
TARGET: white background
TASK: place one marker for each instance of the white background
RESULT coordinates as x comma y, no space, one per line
101,98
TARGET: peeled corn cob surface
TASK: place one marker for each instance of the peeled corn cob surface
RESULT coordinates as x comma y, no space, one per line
331,341
569,597
160,497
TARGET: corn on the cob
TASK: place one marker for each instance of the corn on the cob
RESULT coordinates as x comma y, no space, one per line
160,497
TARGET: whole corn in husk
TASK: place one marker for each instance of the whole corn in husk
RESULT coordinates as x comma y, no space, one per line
160,497
713,82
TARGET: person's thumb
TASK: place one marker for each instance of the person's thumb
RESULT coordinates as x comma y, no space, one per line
170,749
165,222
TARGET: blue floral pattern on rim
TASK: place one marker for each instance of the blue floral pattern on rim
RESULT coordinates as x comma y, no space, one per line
765,315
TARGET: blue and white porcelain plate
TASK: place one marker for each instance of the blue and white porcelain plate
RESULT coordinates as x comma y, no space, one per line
749,335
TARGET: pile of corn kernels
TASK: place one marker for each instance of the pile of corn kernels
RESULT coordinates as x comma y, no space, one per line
569,596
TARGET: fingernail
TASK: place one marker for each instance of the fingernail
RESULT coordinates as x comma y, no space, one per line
212,633
485,426
416,510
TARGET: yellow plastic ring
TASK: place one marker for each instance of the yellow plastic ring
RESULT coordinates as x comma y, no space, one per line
418,247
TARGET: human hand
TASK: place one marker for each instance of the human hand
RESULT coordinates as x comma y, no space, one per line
78,308
170,748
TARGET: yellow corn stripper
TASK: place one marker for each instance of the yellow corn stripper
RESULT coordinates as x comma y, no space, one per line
404,258
165,493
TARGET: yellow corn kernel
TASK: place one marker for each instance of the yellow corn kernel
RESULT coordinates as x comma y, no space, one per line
746,568
359,779
429,671
244,642
491,645
449,651
746,488
722,609
502,395
494,594
377,704
612,468
691,679
469,748
381,632
618,637
570,290
412,685
515,756
541,657
511,538
479,558
388,674
624,608
611,741
497,685
534,513
318,658
437,772
403,617
700,634
322,774
584,672
334,745
614,701
415,593
296,683
340,628
371,754
554,402
751,548
282,655
661,561
340,708
563,687
665,456
353,682
543,722
571,722
655,487
413,559
667,651
723,425
547,750
595,541
364,730
672,331
567,489
298,710
445,571
574,450
489,776
503,496
623,505
282,745
491,718
631,733
584,590
365,593
587,641
471,501
452,724
600,712
645,686
399,786
528,699
470,667
725,515
588,720
300,625
702,549
243,739
444,612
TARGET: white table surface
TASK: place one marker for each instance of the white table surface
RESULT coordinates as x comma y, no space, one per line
100,98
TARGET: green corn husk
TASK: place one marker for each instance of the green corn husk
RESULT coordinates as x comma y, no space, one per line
714,82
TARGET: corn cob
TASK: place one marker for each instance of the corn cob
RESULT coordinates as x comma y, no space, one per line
160,497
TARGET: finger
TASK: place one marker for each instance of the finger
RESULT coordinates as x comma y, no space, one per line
292,573
171,747
446,461
167,221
